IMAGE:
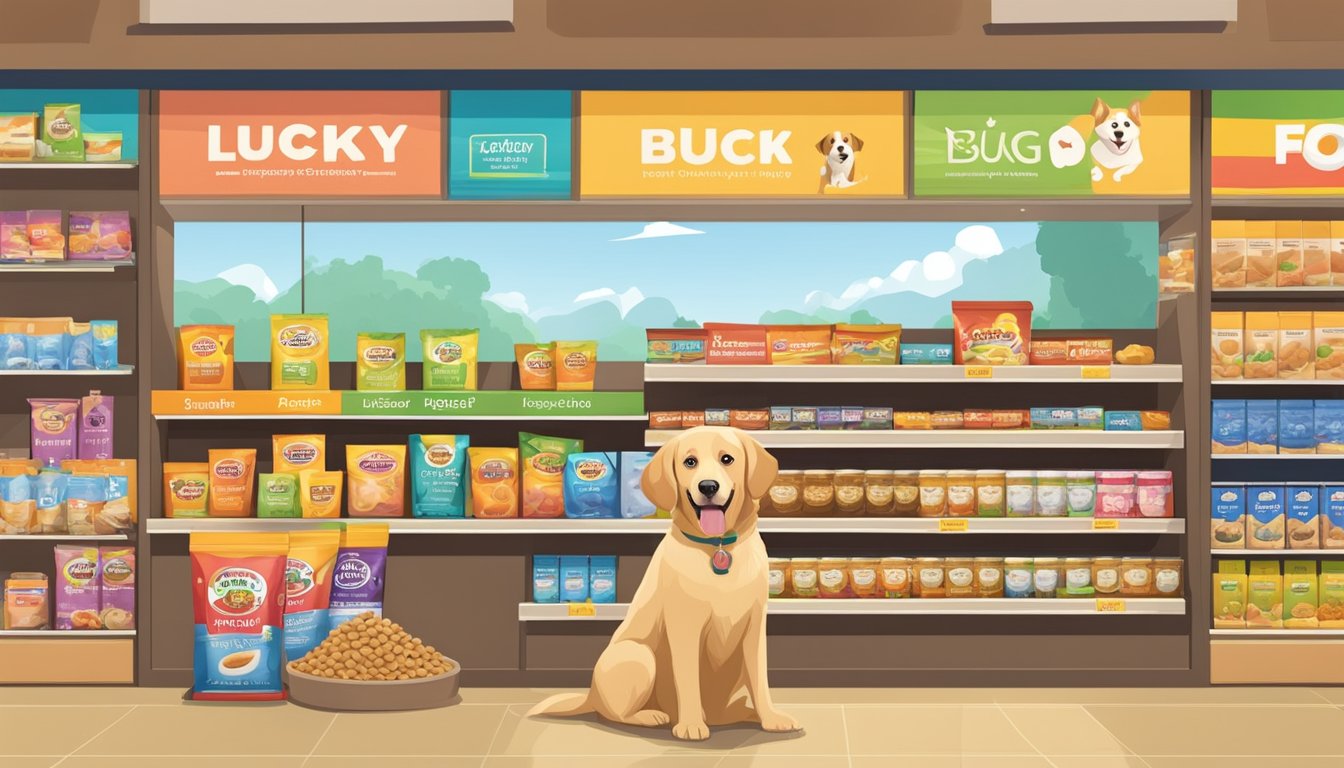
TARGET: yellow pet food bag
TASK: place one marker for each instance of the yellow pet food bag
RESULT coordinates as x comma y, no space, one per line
320,494
186,489
494,482
298,453
377,478
380,362
205,357
299,352
575,365
450,358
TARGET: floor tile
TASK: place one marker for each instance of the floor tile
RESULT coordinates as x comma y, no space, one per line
44,730
1205,761
400,761
1332,695
29,761
1279,730
628,761
125,696
884,696
783,761
1066,730
214,729
952,761
1221,695
1110,761
448,731
823,734
178,761
510,695
913,730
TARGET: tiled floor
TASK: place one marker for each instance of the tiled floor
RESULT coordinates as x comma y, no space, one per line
849,728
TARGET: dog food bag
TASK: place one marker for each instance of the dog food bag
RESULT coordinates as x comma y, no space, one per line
95,426
232,471
991,333
18,508
320,494
1304,516
16,346
186,489
117,515
1330,611
1332,514
1262,346
1228,345
634,504
450,358
1288,251
358,581
1229,426
736,344
1176,269
239,594
1229,595
278,495
86,496
799,344
602,578
380,362
49,498
1229,254
866,344
543,463
80,352
1301,594
1316,253
55,429
1329,344
78,587
298,453
592,486
926,354
13,232
1296,349
494,482
377,480
1264,596
26,601
1297,426
100,235
46,240
1229,518
1262,426
536,365
308,571
574,579
440,480
1330,426
63,132
1262,263
116,608
104,344
676,346
545,578
205,357
300,352
1266,512
575,365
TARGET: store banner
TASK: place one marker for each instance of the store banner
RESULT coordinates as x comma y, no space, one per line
1278,143
510,145
300,144
1051,143
742,144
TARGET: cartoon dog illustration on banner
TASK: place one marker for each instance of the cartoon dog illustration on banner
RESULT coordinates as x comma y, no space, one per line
692,649
1116,149
839,148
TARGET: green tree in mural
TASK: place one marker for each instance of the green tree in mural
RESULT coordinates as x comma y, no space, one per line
1096,272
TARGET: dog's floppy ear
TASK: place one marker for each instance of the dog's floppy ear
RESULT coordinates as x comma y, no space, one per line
659,481
762,468
1099,111
821,145
1134,113
855,142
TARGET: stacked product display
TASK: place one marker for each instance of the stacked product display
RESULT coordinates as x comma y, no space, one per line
573,578
1278,345
1292,594
57,344
1277,254
56,135
39,236
1288,427
784,417
1269,516
94,589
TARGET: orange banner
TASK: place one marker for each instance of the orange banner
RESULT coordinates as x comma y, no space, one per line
244,402
300,144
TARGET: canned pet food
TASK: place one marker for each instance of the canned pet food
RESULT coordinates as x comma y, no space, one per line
833,577
929,578
818,492
988,577
1017,577
1045,576
779,577
989,493
863,577
932,493
878,492
1106,575
895,576
905,493
849,492
803,577
786,495
1167,576
1020,493
1136,576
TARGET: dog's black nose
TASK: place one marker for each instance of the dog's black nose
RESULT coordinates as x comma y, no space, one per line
708,488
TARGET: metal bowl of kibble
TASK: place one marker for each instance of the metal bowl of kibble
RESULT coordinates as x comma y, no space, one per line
371,664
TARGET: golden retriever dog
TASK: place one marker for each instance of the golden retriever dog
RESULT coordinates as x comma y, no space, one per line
691,650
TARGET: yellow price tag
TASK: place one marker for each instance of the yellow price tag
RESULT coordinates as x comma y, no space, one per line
1103,524
1096,371
582,609
979,371
1110,605
953,525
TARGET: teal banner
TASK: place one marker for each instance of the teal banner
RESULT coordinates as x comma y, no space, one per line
510,145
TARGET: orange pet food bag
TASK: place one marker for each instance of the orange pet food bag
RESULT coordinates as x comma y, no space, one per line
494,482
543,463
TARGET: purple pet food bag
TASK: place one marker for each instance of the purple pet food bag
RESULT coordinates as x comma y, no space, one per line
95,426
55,428
357,580
118,599
79,579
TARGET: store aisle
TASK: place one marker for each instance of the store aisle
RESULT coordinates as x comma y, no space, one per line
984,728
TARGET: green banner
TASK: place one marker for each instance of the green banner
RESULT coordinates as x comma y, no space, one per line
494,403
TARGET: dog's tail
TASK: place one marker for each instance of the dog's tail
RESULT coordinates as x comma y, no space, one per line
562,705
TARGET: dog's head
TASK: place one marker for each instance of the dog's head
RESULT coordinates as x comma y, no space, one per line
1117,128
839,145
710,478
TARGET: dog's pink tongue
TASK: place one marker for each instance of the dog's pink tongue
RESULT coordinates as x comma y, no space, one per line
712,521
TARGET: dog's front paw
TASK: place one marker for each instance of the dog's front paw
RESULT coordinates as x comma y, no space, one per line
1096,173
778,722
1120,174
691,731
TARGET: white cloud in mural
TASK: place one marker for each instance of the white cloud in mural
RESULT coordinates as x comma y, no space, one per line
659,229
624,301
510,300
253,277
936,274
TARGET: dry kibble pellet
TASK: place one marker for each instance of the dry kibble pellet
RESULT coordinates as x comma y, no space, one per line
370,648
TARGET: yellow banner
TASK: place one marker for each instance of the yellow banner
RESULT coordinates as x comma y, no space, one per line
244,402
742,144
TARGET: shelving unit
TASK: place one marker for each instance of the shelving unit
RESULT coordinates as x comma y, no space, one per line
121,370
915,374
956,438
67,267
24,167
1110,607
67,634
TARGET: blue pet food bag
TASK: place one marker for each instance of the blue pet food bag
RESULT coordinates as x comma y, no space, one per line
440,482
633,501
545,579
592,487
573,578
602,578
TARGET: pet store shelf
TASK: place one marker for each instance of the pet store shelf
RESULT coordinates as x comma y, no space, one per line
881,607
1320,292
120,370
659,526
63,537
67,267
67,166
1296,201
1281,382
68,634
1281,554
1277,456
915,374
1277,634
344,405
954,438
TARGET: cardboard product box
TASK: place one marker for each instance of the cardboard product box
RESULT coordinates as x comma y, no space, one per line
1301,594
1288,253
1264,596
62,132
1316,253
1229,254
18,137
1229,595
1261,255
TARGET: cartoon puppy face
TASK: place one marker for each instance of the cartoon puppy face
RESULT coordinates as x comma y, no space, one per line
1117,128
839,145
711,479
